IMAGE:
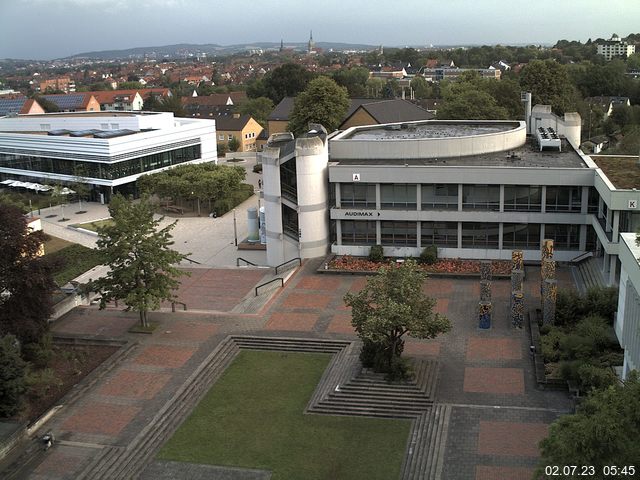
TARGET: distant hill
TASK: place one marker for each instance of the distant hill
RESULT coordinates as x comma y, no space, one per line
188,49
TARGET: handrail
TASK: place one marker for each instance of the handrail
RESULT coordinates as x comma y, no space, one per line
289,261
192,261
246,261
173,305
270,281
581,257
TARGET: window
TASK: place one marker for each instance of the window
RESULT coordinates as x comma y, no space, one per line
230,137
358,232
594,200
400,196
358,195
221,136
565,237
399,234
480,235
439,196
481,197
522,198
442,234
563,199
521,235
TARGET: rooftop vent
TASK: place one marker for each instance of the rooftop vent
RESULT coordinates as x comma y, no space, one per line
548,138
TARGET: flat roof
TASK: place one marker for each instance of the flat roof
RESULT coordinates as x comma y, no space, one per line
431,129
528,155
623,172
101,113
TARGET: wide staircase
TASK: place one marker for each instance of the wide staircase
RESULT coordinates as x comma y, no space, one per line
344,389
589,274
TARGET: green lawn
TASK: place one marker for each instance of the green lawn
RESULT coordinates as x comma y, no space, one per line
93,226
253,418
72,260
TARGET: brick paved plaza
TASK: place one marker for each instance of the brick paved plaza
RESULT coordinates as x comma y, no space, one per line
486,376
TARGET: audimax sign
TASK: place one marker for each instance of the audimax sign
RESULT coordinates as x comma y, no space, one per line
361,213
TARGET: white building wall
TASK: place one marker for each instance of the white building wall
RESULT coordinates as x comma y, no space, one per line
313,192
276,249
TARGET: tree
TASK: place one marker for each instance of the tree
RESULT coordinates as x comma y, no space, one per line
12,376
233,144
354,80
47,105
80,185
259,108
599,434
26,279
285,81
323,102
391,305
172,104
421,88
142,269
549,84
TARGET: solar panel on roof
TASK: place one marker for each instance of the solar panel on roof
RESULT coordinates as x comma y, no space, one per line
58,132
83,133
11,105
65,101
114,133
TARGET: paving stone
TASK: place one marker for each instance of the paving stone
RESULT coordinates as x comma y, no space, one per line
511,438
494,380
292,321
306,300
428,348
133,384
320,282
341,323
164,356
480,348
101,418
484,472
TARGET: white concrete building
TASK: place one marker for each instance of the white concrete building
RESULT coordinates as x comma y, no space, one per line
615,47
112,149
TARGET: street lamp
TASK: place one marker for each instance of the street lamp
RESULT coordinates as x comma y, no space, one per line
235,228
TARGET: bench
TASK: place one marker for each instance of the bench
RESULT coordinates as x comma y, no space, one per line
174,209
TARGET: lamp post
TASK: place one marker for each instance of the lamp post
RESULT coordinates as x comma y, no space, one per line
235,228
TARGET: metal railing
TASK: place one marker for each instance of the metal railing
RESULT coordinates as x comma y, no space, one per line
581,257
173,306
192,261
267,283
245,261
298,259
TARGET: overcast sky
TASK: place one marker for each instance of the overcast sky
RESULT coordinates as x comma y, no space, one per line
45,29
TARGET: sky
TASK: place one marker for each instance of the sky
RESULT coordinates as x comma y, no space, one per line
47,29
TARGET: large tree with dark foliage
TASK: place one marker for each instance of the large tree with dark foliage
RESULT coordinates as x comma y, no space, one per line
285,81
26,281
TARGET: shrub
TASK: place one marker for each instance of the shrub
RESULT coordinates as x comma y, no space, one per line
12,376
602,301
39,382
39,354
429,255
376,254
222,149
550,344
592,376
597,329
569,306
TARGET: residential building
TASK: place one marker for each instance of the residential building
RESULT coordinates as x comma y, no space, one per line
453,73
386,111
119,100
241,127
219,104
19,105
608,103
615,47
361,111
74,102
64,84
112,149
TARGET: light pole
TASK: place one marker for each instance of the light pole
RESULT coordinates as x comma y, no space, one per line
235,228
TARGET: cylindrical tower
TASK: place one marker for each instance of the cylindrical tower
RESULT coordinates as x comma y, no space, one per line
312,159
272,205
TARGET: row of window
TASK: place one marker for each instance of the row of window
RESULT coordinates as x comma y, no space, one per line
445,234
517,198
108,171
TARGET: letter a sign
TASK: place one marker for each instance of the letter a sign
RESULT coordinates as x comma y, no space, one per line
356,177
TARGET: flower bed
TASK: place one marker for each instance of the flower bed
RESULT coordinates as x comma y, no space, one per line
443,266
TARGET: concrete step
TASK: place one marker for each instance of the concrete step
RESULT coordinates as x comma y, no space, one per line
364,412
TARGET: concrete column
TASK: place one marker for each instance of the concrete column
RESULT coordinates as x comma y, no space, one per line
378,198
501,198
419,234
419,198
338,195
338,232
500,233
272,205
584,204
459,234
542,233
378,233
616,225
613,265
459,197
543,199
583,238
609,220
